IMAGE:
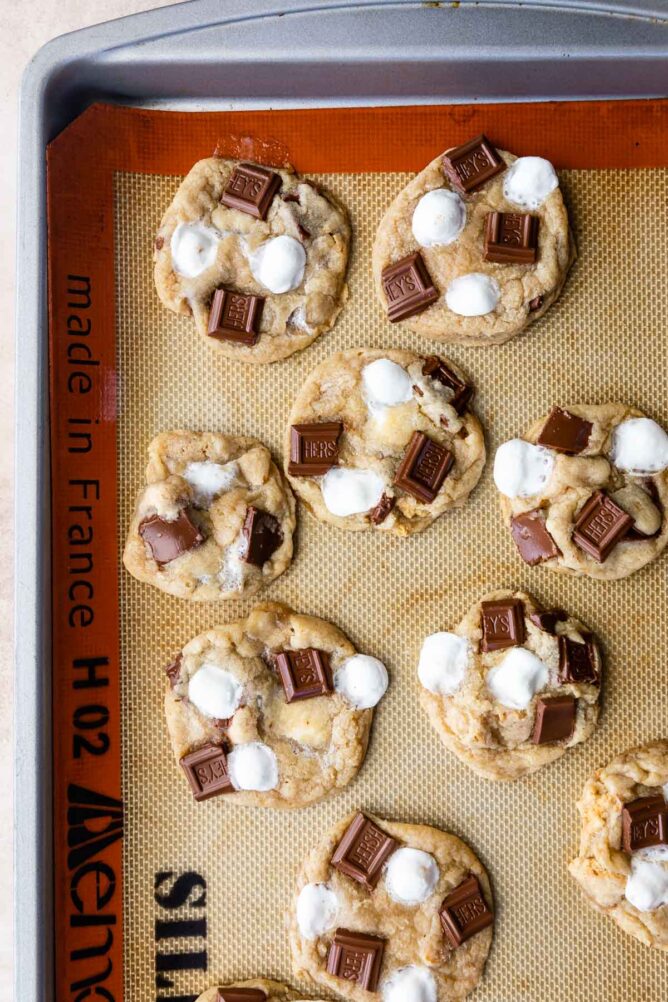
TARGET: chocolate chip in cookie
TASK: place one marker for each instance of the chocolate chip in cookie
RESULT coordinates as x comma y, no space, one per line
565,432
262,535
241,995
555,719
532,539
173,670
435,368
578,662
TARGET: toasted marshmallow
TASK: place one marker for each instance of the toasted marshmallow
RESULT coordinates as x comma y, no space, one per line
350,492
647,887
386,384
208,479
410,984
411,876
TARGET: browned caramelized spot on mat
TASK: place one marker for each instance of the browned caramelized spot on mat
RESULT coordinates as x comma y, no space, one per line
356,957
511,238
314,448
465,912
578,662
251,189
173,670
408,287
262,534
424,467
600,526
382,509
169,540
555,719
304,674
363,851
473,164
502,624
207,772
435,368
645,823
235,316
565,432
531,537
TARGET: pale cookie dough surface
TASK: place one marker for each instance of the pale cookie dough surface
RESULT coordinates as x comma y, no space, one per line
602,868
215,479
319,744
274,991
575,478
518,284
375,438
413,933
495,739
290,320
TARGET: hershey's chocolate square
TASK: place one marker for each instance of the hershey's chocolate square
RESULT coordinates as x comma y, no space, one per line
408,287
531,537
644,823
169,540
511,238
600,526
502,624
241,995
356,957
263,535
435,368
578,662
207,773
424,467
565,432
473,164
465,912
235,316
382,509
555,719
251,189
304,673
314,448
363,851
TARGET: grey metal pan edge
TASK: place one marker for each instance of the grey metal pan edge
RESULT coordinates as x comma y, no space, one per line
246,51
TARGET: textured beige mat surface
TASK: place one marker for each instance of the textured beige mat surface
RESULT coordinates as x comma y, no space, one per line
604,340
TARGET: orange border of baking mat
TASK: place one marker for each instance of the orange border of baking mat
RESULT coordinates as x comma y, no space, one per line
87,808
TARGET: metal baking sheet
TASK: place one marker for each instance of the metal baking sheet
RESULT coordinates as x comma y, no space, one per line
197,56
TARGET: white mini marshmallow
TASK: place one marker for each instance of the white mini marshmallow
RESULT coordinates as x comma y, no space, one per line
194,248
640,445
362,681
410,984
529,181
411,876
444,659
472,295
208,479
214,691
516,679
522,469
279,263
647,887
317,908
348,492
253,767
439,218
386,384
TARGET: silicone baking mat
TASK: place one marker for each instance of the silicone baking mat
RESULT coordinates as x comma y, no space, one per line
158,897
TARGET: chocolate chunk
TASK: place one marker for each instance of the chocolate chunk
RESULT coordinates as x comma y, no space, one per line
263,535
536,303
159,243
363,851
531,537
408,287
644,823
424,467
251,189
169,540
473,164
511,238
356,957
314,448
304,234
465,912
600,526
305,673
502,624
382,509
235,316
290,196
555,719
207,773
547,619
578,662
564,432
436,368
173,671
241,995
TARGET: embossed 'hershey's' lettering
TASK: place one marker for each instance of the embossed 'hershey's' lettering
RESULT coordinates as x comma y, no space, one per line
314,448
363,851
511,238
207,773
357,957
502,623
645,823
304,673
473,164
465,912
235,316
408,287
600,526
424,467
251,189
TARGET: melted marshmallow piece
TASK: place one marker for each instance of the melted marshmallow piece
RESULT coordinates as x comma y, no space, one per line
522,469
640,445
647,887
410,984
444,659
439,218
411,876
317,908
472,295
194,248
208,479
362,681
253,767
529,181
516,679
386,384
349,492
215,692
279,263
